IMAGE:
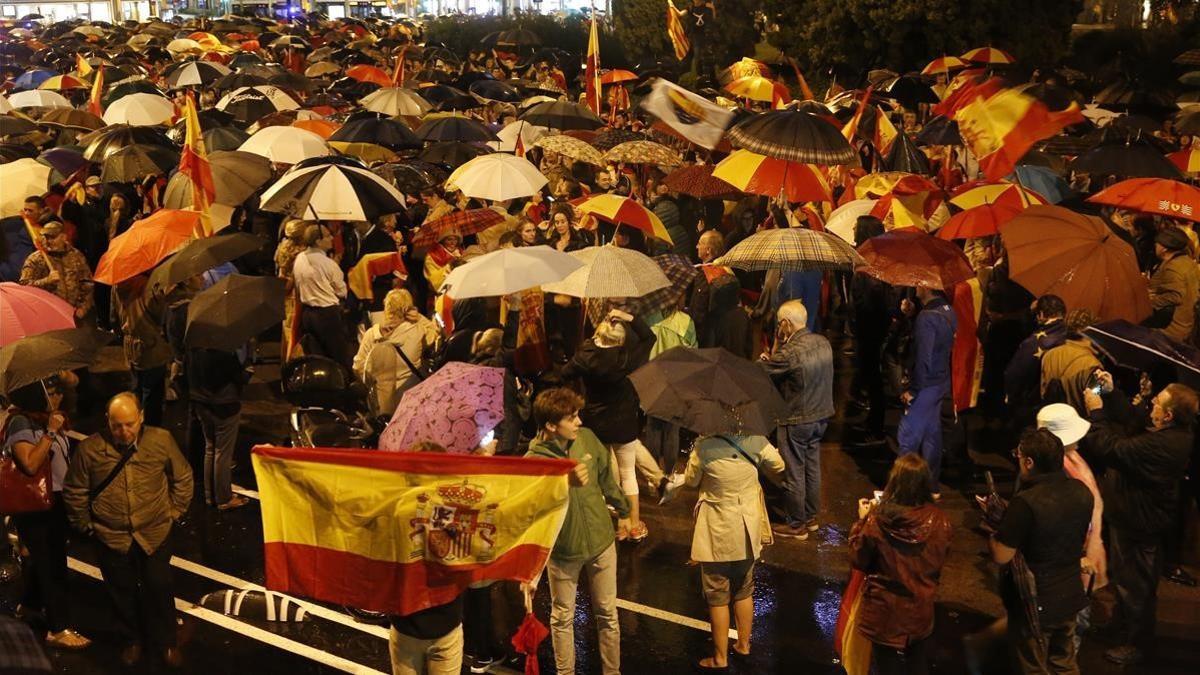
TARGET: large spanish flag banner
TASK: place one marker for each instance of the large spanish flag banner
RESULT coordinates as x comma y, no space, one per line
1000,127
966,356
399,532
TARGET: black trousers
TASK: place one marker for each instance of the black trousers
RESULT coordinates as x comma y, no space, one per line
139,585
1135,564
912,660
868,375
323,331
45,569
1032,658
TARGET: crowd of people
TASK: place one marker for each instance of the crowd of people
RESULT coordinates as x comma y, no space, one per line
1103,448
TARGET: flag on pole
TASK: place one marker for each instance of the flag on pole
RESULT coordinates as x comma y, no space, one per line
999,128
370,266
851,127
694,117
82,66
94,105
398,74
193,163
399,532
675,31
592,71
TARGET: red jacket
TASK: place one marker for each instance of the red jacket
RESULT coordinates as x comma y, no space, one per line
901,551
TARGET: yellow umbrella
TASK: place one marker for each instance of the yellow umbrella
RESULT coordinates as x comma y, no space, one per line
758,88
992,193
624,211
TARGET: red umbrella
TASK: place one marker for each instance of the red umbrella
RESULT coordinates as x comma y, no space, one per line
696,180
145,244
980,221
1161,196
909,257
1078,258
25,310
461,223
365,73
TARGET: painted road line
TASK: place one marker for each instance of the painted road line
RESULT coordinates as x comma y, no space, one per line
251,631
313,609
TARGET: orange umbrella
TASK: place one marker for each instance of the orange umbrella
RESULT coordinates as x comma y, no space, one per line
365,73
909,257
1161,196
250,46
145,244
617,75
322,128
1078,258
980,221
762,175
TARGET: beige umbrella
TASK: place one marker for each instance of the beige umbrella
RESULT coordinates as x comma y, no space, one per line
569,146
236,175
611,272
19,180
322,68
643,152
396,101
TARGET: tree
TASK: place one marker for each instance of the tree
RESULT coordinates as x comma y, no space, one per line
854,36
641,27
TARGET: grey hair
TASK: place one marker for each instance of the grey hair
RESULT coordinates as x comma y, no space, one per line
795,312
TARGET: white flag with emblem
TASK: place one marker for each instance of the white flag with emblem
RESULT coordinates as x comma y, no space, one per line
694,117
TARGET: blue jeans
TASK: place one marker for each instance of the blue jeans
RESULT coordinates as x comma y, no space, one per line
921,429
800,445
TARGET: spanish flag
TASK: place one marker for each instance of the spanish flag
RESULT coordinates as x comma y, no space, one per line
851,646
966,355
370,266
82,66
402,532
1000,128
592,72
675,31
193,163
398,73
94,105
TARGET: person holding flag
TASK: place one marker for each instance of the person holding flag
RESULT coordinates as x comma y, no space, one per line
193,163
592,69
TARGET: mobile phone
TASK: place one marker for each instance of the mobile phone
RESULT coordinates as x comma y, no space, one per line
878,496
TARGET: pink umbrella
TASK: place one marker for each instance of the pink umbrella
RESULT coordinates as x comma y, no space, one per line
456,407
25,311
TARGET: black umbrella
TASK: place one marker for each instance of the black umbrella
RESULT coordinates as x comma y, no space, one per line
709,391
224,138
1133,97
1188,121
199,256
494,90
471,77
249,105
332,188
127,88
464,102
407,178
388,132
904,155
210,118
431,75
11,152
911,91
134,162
452,154
103,142
351,89
293,81
455,129
794,136
1056,97
1131,160
234,310
37,357
562,115
195,74
15,126
245,59
1146,349
940,131
237,81
440,92
519,37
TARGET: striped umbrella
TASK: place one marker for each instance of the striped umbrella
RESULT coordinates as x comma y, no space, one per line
624,211
461,223
196,74
943,64
63,82
762,175
569,146
989,55
995,193
792,249
979,221
794,136
1187,159
611,272
248,104
333,189
758,88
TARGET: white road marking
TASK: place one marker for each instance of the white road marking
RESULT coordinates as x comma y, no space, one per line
248,630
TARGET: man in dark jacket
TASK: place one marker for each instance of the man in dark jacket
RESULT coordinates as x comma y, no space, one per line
1141,495
929,381
1046,522
215,379
1022,377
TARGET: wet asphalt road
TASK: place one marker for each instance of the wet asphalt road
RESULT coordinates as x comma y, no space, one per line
798,586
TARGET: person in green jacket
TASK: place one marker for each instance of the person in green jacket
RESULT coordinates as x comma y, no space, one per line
587,539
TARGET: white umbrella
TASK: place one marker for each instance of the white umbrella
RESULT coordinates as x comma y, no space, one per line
274,94
528,133
18,180
497,177
39,98
183,45
843,219
5,106
89,30
140,109
395,101
286,145
141,41
332,192
611,272
1099,116
509,270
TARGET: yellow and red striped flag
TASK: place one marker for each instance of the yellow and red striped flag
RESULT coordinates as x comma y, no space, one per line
399,532
849,644
592,71
1000,128
193,163
398,73
370,266
885,132
966,357
94,105
675,31
82,66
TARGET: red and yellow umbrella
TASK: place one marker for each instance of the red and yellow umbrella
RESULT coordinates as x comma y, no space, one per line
623,211
145,244
989,55
1187,159
980,221
943,64
746,67
1160,196
905,200
758,88
762,175
365,73
63,82
995,193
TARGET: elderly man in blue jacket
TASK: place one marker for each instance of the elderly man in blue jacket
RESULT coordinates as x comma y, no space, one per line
928,379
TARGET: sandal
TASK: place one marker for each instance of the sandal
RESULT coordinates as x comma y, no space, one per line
67,639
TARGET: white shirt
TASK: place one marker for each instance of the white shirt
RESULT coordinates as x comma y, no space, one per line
319,279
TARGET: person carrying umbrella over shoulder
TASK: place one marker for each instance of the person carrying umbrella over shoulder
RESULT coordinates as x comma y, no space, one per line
1174,286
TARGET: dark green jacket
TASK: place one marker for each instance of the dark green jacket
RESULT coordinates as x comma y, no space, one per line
588,528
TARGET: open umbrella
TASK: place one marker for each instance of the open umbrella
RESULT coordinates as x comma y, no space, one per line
286,145
461,223
101,143
792,249
332,189
140,110
452,154
509,270
387,132
70,118
455,407
145,244
761,175
133,163
224,139
1153,195
497,177
526,133
237,308
611,272
621,210
697,180
1078,258
562,115
248,104
18,180
643,152
1187,159
37,357
1135,159
199,256
395,101
979,221
990,56
844,218
38,98
196,74
367,73
454,129
909,257
940,131
25,311
794,136
709,391
1146,349
981,194
758,88
571,147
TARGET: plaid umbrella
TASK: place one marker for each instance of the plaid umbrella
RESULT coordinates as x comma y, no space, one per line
461,223
792,249
697,181
794,136
680,272
611,272
571,147
643,152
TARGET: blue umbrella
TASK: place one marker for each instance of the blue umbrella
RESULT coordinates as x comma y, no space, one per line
1042,181
31,79
66,159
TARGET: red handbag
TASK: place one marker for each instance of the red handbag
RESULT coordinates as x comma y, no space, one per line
20,492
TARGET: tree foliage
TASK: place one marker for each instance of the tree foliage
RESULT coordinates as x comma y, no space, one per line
641,27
